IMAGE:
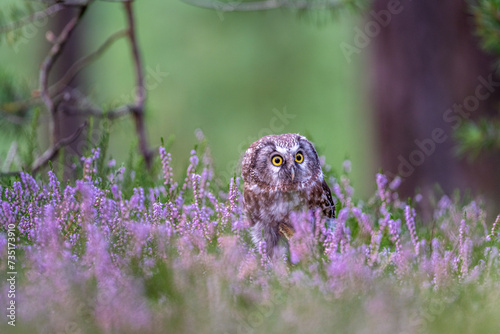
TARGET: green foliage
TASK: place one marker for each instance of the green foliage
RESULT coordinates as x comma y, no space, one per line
487,18
483,135
476,137
15,105
11,19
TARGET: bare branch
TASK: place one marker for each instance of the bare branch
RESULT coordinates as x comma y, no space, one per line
10,156
241,6
85,61
111,114
13,118
140,90
30,18
51,152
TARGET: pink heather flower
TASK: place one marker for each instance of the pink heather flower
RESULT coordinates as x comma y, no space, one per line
347,166
338,193
29,183
381,183
465,247
89,167
376,239
399,258
166,161
363,219
200,136
332,242
494,228
322,161
303,242
394,229
394,185
82,241
233,197
190,170
386,216
55,188
137,201
347,188
264,260
410,222
204,181
444,206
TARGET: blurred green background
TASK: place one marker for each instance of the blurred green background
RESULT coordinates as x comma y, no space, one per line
228,74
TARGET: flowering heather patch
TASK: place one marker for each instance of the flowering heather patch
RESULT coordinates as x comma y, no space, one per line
107,255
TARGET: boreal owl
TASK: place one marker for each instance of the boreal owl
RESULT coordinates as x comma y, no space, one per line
282,173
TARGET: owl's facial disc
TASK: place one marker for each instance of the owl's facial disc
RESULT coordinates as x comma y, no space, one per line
288,164
281,161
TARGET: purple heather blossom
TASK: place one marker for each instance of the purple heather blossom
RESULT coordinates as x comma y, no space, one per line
364,220
410,223
104,247
264,260
54,188
337,192
381,184
494,230
166,167
89,167
347,166
395,183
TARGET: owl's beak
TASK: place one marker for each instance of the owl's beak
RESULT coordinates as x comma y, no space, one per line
292,171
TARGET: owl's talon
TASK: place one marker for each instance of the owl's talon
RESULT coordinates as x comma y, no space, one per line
285,231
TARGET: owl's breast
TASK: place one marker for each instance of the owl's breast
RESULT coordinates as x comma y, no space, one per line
273,207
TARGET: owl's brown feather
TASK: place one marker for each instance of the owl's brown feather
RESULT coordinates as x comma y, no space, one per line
327,204
272,192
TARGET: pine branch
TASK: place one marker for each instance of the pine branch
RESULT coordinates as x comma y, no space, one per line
33,17
51,152
241,6
111,114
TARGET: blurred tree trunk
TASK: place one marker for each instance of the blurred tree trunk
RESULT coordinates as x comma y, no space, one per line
425,61
64,123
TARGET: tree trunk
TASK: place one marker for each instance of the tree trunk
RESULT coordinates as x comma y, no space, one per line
65,124
426,62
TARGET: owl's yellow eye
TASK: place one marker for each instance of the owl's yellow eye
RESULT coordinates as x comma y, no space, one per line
299,158
277,160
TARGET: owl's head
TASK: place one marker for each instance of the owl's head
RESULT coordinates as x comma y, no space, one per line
284,162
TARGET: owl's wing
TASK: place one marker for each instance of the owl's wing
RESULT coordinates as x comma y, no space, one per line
327,203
